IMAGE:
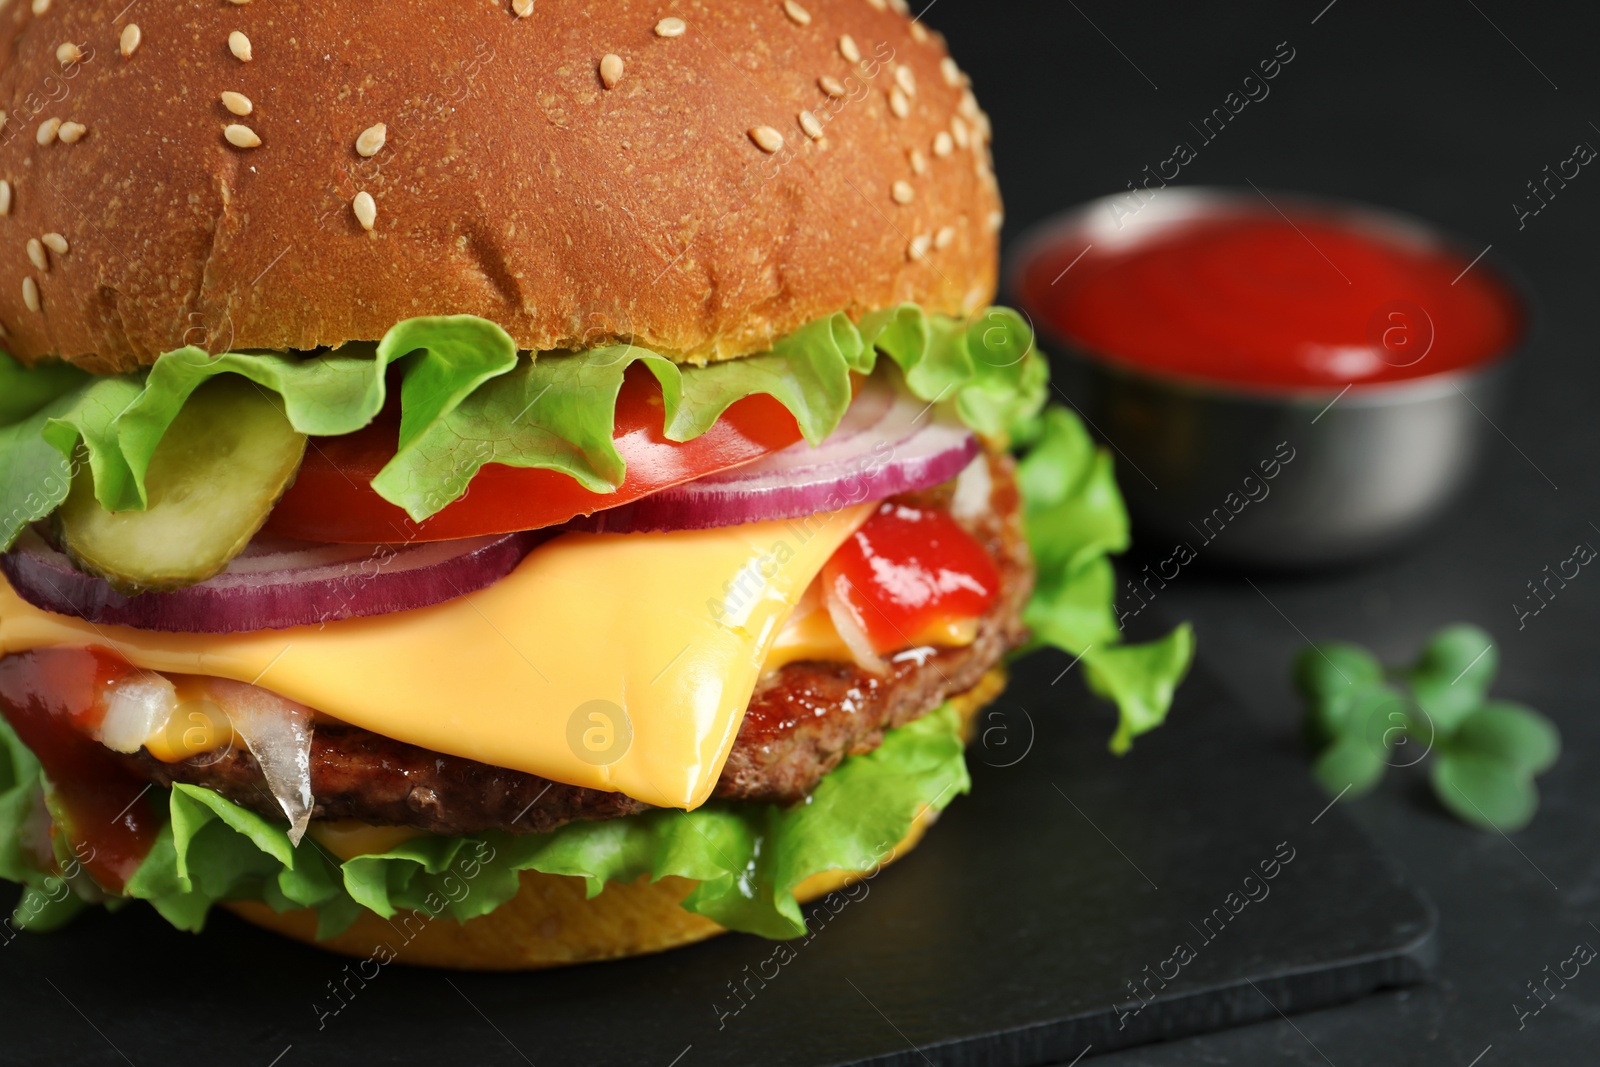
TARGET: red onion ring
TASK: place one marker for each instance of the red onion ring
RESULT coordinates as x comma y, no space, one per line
274,583
888,442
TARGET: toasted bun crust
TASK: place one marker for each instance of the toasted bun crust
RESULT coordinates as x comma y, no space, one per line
550,924
513,184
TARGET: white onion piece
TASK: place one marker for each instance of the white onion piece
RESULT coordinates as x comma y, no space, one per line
888,442
974,490
853,636
278,733
137,709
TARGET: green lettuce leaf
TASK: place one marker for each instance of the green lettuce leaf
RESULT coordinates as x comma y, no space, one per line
808,372
748,858
986,366
467,398
21,806
556,413
1074,516
1141,679
24,390
116,421
27,851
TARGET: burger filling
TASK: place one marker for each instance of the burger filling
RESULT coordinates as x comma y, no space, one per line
814,704
661,635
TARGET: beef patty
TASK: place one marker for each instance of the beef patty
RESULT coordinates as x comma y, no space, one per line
803,719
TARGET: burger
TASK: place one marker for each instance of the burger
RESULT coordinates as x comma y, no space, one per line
495,485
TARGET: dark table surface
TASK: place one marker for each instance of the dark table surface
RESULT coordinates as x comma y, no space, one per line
1444,109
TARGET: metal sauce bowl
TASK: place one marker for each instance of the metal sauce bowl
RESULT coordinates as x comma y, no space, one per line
1273,477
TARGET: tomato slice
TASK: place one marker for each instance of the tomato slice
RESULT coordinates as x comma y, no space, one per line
908,574
332,498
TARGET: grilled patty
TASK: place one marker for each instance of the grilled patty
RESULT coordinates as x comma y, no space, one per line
803,719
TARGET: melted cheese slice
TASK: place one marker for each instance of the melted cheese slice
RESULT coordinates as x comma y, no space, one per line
621,662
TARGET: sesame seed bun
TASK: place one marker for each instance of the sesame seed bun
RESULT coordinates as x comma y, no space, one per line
691,206
550,924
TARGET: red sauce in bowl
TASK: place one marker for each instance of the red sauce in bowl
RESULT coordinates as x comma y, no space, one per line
1259,299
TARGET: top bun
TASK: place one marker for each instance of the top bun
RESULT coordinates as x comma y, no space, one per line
768,163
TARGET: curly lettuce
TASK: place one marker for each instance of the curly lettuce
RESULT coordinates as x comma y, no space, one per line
1074,518
468,397
747,858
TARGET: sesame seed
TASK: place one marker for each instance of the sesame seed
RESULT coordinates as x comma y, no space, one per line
30,294
238,103
809,123
68,54
996,219
47,131
881,5
959,128
831,85
848,49
366,210
919,162
918,247
799,15
969,104
942,145
239,3
239,45
943,238
5,198
919,32
610,69
766,138
72,132
981,123
520,8
902,192
899,103
131,36
41,6
241,136
55,243
900,7
906,80
371,140
671,27
951,72
36,254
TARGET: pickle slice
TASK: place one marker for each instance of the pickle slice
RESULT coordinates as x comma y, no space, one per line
213,479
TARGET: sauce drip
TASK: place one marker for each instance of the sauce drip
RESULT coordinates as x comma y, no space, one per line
54,698
908,574
1269,301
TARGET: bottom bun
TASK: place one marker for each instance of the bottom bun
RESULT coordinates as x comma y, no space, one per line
550,923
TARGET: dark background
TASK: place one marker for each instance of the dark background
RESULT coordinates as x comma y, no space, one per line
1445,110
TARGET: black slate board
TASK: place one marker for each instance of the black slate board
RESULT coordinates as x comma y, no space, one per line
1009,937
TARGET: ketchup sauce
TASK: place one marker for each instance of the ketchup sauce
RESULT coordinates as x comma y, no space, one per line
1260,299
909,571
54,698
